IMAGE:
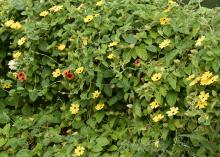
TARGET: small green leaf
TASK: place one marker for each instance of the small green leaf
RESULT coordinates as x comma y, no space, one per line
141,52
172,81
171,98
102,141
137,110
130,38
33,95
152,48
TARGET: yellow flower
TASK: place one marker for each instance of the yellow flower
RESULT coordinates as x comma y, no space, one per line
158,117
16,55
213,79
44,13
85,41
21,41
195,81
114,43
206,116
61,47
173,111
190,77
95,15
110,56
164,20
56,73
99,3
156,77
15,74
80,7
6,85
56,8
74,108
15,25
9,23
167,10
99,106
199,41
207,78
96,94
157,144
203,96
177,61
155,104
79,151
79,70
165,43
88,18
201,104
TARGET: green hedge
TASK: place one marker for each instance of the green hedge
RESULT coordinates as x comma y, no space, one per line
109,78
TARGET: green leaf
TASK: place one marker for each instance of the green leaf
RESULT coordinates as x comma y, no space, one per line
169,57
108,90
152,48
3,141
99,116
97,148
102,141
126,56
33,95
141,52
6,130
130,38
172,81
137,110
167,31
171,98
24,153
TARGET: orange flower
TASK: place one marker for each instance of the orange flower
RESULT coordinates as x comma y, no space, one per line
21,76
137,62
70,76
66,72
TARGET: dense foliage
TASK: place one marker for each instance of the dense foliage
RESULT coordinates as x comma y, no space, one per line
110,78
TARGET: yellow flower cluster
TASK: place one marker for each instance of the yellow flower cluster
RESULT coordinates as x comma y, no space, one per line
79,151
56,73
99,106
74,108
155,104
207,78
157,143
21,41
6,85
158,117
79,70
199,41
12,24
61,47
88,18
80,7
203,98
164,20
85,41
114,43
165,43
110,56
96,94
16,55
100,3
156,77
44,13
173,111
56,8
